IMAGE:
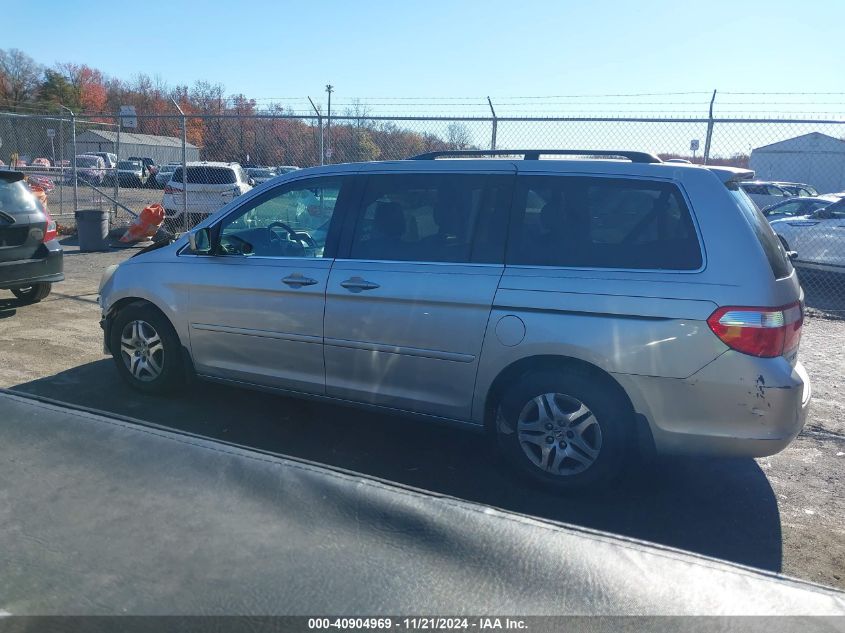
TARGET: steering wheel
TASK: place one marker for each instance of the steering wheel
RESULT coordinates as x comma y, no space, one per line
294,236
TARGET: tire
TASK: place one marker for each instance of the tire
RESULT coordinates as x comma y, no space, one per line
147,350
33,293
580,437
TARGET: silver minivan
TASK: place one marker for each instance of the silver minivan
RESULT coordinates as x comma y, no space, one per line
579,310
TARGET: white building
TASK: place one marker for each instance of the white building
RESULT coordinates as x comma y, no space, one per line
162,149
815,159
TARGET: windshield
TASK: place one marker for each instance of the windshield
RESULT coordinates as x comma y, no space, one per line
129,165
261,173
15,198
87,161
207,175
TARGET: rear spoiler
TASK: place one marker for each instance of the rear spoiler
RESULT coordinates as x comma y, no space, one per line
731,174
11,176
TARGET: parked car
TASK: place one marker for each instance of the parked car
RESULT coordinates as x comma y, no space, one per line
286,169
45,183
165,172
30,254
797,189
150,168
576,310
109,159
41,162
130,173
764,193
817,238
210,186
796,206
90,169
261,174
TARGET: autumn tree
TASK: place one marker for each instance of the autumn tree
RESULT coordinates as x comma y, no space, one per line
88,86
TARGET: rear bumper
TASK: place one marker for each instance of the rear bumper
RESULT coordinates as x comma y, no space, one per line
46,266
737,406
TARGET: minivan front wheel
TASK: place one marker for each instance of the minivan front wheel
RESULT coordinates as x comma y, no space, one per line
564,428
146,350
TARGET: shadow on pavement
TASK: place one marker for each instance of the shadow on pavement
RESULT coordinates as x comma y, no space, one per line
721,508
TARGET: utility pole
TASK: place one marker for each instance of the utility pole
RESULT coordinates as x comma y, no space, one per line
329,89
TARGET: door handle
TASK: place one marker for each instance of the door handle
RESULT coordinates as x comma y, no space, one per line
297,280
357,284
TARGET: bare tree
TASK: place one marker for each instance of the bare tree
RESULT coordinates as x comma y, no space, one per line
20,77
458,136
360,112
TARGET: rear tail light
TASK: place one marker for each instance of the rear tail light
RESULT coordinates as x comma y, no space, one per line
171,190
764,332
51,231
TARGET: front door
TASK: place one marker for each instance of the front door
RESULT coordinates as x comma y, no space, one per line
407,307
256,304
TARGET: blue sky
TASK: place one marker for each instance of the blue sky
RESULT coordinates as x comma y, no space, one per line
435,48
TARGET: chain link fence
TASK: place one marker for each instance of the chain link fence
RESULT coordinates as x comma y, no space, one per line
784,153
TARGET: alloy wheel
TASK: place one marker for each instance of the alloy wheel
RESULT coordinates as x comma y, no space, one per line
559,434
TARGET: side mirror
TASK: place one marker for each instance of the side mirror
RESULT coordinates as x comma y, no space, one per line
200,240
250,182
822,214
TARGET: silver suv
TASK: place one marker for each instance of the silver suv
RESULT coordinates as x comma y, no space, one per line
578,310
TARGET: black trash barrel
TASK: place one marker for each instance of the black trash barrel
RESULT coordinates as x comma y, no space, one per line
92,226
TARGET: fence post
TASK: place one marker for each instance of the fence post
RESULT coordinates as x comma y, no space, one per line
320,124
73,161
61,162
495,125
329,90
116,173
184,165
709,130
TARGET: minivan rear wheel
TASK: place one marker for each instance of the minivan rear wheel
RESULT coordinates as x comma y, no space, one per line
564,428
146,350
32,293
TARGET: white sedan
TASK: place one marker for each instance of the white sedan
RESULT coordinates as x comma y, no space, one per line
818,238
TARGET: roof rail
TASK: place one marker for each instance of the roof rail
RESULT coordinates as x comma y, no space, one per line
534,154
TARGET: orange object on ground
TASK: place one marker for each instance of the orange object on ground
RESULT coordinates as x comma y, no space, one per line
145,225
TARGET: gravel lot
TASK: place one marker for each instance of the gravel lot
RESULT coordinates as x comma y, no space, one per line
783,513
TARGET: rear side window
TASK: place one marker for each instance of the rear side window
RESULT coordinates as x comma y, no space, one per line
590,222
207,176
16,199
772,247
433,218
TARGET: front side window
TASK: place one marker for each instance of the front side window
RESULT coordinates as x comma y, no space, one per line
589,222
290,221
432,218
